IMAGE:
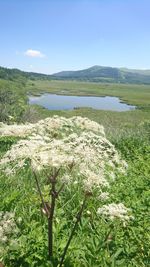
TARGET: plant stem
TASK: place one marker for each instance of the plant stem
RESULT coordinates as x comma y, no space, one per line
50,219
60,189
78,218
40,193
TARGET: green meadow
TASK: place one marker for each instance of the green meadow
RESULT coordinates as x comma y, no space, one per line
116,123
97,241
133,94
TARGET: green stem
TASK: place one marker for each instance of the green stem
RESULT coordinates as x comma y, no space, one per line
50,221
40,193
78,218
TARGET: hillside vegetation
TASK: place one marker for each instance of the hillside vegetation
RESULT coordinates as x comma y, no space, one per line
92,74
83,174
100,189
107,74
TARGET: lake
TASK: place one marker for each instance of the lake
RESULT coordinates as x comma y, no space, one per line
69,102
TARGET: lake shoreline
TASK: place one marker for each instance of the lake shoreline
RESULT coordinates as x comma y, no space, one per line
69,102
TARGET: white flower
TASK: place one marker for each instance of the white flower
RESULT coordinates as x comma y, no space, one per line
85,123
66,178
13,243
59,142
19,220
7,224
88,212
4,239
124,164
9,171
104,196
1,232
112,175
114,211
8,215
94,179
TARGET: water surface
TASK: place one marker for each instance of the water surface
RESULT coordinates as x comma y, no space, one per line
67,102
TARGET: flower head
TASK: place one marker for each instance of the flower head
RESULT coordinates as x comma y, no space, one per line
59,142
115,211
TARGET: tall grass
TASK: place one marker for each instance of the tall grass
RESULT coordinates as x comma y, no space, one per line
97,241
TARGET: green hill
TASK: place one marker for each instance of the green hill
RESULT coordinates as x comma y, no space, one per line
16,74
93,74
107,74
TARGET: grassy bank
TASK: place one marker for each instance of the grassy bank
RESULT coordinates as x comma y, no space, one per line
97,242
117,124
132,94
138,95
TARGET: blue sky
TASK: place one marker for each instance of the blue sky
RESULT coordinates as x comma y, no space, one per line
48,36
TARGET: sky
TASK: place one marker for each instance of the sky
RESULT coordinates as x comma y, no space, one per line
49,36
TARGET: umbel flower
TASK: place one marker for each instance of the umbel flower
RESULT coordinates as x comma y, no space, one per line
8,229
50,125
60,142
115,211
73,151
77,144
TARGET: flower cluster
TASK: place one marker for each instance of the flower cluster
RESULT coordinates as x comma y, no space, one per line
104,196
8,229
114,211
60,142
50,126
78,146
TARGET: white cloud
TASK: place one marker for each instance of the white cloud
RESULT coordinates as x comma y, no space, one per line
34,53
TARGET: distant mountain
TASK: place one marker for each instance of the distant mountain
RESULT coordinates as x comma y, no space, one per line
93,74
16,74
107,74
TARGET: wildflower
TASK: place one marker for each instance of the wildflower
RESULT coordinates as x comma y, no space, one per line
93,179
57,142
104,196
19,220
1,232
85,123
4,239
114,211
13,243
7,225
125,164
88,212
112,175
66,178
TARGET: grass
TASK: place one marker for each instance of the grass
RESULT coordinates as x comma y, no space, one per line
133,94
117,124
96,243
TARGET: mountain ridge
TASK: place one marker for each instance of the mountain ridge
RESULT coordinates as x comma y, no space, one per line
92,74
107,74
